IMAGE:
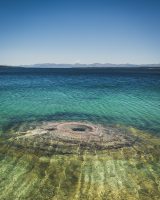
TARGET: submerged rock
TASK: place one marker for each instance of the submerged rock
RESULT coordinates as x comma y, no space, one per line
71,137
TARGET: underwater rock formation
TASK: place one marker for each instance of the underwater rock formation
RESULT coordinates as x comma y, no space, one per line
71,137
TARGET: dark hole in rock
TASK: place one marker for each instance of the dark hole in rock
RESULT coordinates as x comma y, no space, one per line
51,129
79,129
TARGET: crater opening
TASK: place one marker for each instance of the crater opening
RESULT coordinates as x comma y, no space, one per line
51,129
78,127
81,129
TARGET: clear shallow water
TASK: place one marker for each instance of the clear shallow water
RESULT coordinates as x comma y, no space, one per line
116,96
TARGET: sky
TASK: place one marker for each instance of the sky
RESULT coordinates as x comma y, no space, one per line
79,31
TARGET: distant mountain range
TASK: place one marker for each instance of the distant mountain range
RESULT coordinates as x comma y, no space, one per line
78,65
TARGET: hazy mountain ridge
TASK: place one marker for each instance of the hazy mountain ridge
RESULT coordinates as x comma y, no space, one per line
78,65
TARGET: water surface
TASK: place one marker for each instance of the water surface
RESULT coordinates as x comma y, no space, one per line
126,96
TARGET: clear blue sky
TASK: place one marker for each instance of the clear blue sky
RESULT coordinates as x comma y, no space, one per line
84,31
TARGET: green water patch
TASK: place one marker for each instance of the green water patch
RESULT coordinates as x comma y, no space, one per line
131,173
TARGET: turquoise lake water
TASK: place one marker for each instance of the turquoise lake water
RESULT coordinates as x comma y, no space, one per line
43,164
128,97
